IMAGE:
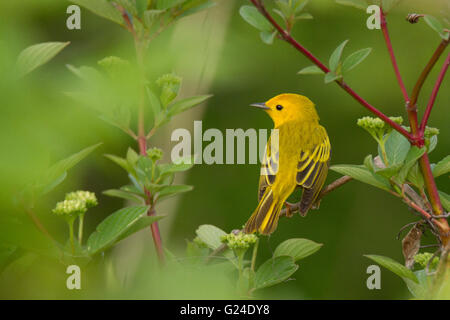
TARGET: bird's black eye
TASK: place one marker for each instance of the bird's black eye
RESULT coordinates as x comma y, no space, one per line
279,107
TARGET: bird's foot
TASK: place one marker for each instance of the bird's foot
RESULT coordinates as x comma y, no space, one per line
290,207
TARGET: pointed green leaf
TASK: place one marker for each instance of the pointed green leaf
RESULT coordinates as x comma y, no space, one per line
361,173
436,25
173,190
268,36
56,174
411,158
123,163
102,8
335,57
185,104
167,4
141,6
311,70
297,248
274,271
415,176
123,195
359,4
330,77
37,55
393,266
355,58
442,167
304,16
114,226
194,6
397,147
210,235
389,4
368,162
140,224
254,18
445,200
432,143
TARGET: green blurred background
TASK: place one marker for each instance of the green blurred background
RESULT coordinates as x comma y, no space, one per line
216,52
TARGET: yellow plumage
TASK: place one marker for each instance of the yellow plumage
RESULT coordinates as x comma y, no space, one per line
301,160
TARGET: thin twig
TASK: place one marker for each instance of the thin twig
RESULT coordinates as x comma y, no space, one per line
392,55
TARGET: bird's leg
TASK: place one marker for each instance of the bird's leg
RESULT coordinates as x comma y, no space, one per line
290,207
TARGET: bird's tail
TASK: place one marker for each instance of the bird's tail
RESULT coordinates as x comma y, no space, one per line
265,218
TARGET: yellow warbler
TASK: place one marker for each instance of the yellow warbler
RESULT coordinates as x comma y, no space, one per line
301,160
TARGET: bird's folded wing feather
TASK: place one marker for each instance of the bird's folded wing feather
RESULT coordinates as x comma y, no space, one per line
313,164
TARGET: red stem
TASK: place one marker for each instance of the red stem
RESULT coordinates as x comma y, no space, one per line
430,105
391,53
288,38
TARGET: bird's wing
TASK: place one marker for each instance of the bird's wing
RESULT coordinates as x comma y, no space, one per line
269,168
312,168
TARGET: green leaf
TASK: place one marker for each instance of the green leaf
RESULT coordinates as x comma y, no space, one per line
194,6
393,266
411,158
436,25
155,103
268,36
300,6
141,6
445,200
37,55
102,8
286,9
210,235
415,176
254,18
335,57
311,70
175,167
167,4
123,194
304,16
114,226
56,174
140,224
152,16
397,147
185,104
419,290
362,174
442,167
123,163
389,4
390,171
274,271
297,248
432,143
330,77
355,58
359,4
368,162
173,190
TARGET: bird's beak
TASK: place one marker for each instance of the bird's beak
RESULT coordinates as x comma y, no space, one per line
261,105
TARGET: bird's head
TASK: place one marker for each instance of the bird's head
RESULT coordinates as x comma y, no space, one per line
289,107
